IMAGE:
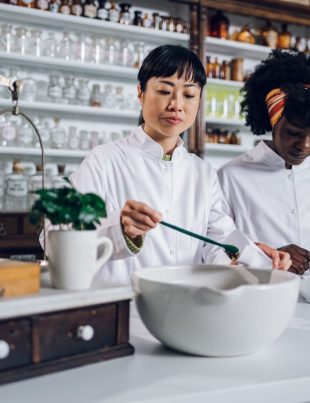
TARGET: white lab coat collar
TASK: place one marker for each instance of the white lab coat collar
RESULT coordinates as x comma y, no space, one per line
262,153
150,147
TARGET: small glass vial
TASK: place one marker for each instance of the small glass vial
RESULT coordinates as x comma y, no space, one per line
85,140
69,90
77,8
54,90
114,12
73,138
58,136
124,16
147,21
83,92
95,96
138,21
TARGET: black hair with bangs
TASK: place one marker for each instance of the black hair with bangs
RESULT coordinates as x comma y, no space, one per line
166,60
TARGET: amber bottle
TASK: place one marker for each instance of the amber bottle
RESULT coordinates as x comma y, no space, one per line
219,26
284,39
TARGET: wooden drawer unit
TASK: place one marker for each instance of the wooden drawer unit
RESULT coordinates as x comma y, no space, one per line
50,342
8,225
15,344
75,332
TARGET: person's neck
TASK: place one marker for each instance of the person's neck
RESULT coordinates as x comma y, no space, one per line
271,145
168,144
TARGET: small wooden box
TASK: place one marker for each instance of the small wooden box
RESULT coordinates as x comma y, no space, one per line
18,278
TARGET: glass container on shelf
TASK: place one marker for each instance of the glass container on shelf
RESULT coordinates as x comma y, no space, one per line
51,45
34,45
138,20
113,12
98,50
112,51
83,92
237,69
124,16
7,38
65,7
102,12
54,6
269,35
54,90
219,25
171,24
94,139
42,5
16,189
69,90
156,21
84,48
108,97
29,90
95,96
119,97
284,38
66,47
126,53
58,136
246,35
8,131
90,9
27,3
164,23
147,21
43,127
21,40
73,138
85,140
77,8
24,136
178,25
139,54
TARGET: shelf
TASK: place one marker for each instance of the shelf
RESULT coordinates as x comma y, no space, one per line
237,49
49,63
61,22
225,83
225,122
225,148
76,111
49,152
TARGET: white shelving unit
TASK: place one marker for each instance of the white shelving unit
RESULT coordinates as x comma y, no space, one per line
225,148
236,49
226,83
225,122
61,22
49,152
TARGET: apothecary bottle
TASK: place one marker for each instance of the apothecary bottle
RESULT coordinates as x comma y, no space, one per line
269,35
58,135
90,9
42,5
77,8
83,92
95,96
156,21
54,90
103,12
69,90
54,6
114,12
124,16
138,20
284,38
219,26
65,7
147,21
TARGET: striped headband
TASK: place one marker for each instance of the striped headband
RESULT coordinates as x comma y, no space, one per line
275,101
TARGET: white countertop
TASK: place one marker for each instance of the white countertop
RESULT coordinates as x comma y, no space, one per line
50,299
281,373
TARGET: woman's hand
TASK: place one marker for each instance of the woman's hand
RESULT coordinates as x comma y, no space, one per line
300,258
280,260
138,218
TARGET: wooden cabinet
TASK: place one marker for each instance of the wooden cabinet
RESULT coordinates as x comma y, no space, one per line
19,238
50,342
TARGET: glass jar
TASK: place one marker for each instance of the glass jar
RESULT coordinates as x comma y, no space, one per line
246,35
90,9
124,16
54,90
139,54
156,21
147,21
54,6
8,131
119,97
85,140
98,50
126,53
108,97
21,40
69,90
51,46
42,5
16,183
64,7
138,21
269,35
77,8
237,69
7,38
284,38
113,12
58,136
179,25
94,139
95,96
112,51
73,138
43,127
219,26
103,12
171,25
84,48
164,23
225,70
34,46
29,90
83,92
24,137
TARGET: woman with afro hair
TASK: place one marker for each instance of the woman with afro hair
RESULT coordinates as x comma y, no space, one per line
267,189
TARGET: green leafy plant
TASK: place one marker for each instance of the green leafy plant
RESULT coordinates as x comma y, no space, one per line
66,206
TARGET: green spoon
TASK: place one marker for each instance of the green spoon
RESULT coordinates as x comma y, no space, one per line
231,251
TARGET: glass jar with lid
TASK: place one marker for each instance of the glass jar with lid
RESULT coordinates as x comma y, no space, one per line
139,54
108,97
8,131
29,89
147,21
85,140
21,40
34,45
83,92
94,139
54,90
24,136
114,12
73,138
95,96
58,136
69,90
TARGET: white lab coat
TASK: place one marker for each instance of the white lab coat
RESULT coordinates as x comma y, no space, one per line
268,202
185,190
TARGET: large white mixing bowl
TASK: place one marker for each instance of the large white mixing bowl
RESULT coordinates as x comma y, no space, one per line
211,310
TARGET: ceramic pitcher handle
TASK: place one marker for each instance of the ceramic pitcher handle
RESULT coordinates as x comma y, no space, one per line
107,252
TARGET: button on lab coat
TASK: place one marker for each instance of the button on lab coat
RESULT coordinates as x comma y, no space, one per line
268,202
185,190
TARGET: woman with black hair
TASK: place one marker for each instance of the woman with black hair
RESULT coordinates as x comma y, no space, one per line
267,189
151,167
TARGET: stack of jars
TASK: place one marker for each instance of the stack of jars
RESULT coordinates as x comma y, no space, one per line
226,70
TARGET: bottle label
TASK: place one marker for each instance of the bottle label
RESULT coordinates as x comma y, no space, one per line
90,11
17,187
114,15
103,14
65,10
42,4
77,10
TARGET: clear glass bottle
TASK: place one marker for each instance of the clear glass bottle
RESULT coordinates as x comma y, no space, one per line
119,97
64,7
16,183
34,45
21,40
8,131
27,3
112,51
139,53
108,97
90,9
42,5
7,38
25,135
54,90
69,90
94,139
114,12
147,21
124,16
103,12
269,35
29,90
66,46
98,50
43,127
83,92
77,8
156,21
126,53
58,136
85,140
51,46
95,96
73,138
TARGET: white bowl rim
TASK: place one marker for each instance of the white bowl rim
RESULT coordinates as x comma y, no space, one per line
138,275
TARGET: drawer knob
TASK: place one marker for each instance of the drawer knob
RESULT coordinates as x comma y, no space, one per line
4,349
85,332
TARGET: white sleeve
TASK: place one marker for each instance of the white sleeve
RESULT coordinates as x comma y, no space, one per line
220,225
227,198
90,177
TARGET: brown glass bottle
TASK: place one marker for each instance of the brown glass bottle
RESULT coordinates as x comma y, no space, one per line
225,71
27,3
284,38
219,26
216,68
246,35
